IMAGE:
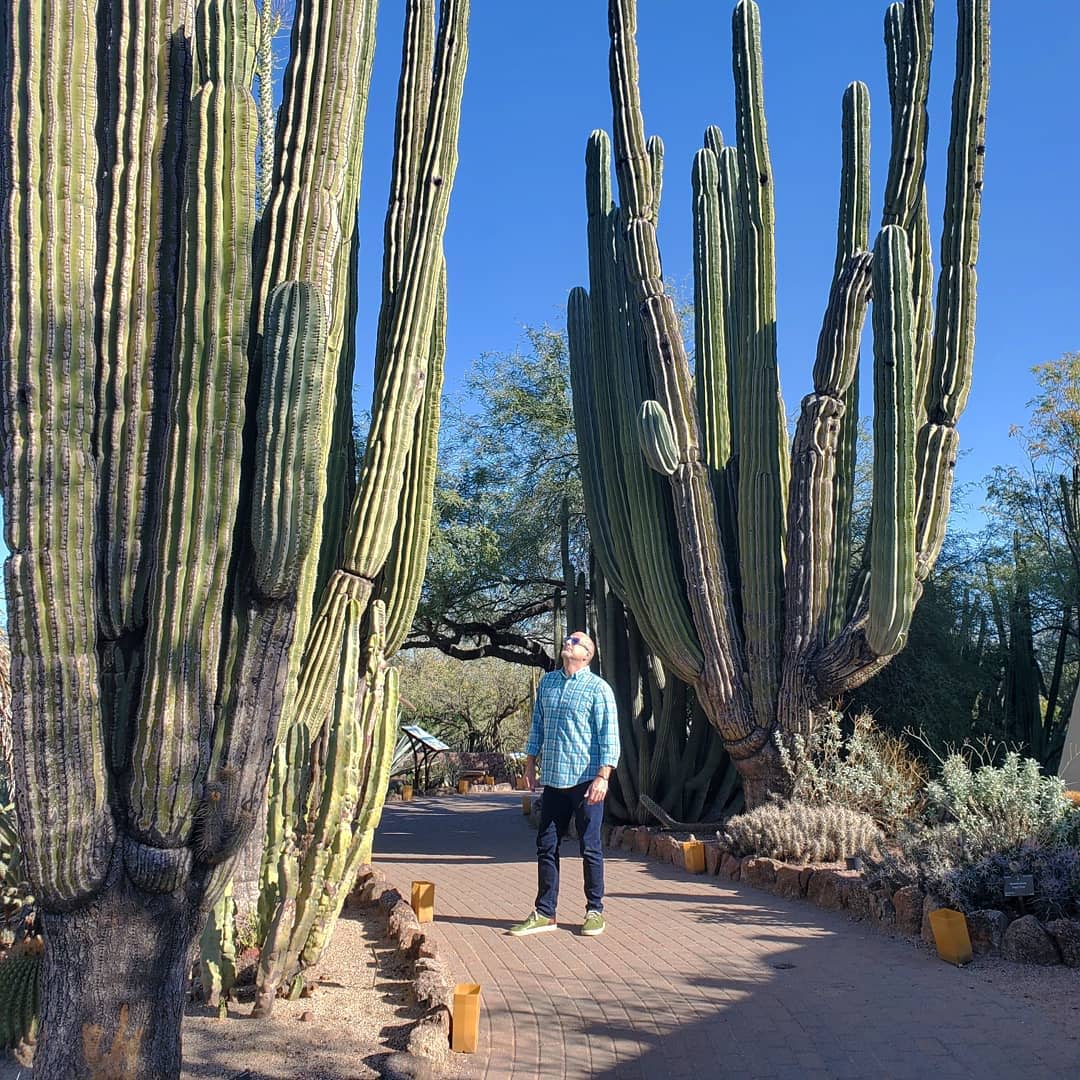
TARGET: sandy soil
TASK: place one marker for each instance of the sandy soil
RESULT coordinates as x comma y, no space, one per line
357,1017
358,1014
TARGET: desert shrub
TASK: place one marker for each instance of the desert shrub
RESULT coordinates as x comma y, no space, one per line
981,820
997,807
979,884
1066,833
867,771
799,833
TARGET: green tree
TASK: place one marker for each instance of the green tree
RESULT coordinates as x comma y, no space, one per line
1033,563
508,459
476,706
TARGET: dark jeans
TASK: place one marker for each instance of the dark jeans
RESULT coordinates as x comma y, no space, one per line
557,806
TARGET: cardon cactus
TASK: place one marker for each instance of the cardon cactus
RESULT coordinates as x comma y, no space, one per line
730,547
172,372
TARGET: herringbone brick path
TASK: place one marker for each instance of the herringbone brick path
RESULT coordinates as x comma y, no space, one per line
694,977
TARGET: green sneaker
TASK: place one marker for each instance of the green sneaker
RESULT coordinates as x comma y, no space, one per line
594,924
534,924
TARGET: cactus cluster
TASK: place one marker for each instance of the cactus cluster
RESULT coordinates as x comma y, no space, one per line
186,576
732,548
20,972
796,832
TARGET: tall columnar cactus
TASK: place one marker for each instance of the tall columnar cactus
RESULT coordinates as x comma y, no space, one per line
731,548
171,408
331,768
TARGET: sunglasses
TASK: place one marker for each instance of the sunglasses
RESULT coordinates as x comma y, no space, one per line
575,640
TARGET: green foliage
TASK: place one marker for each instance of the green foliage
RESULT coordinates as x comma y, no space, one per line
797,832
982,822
507,460
979,884
866,770
474,706
997,807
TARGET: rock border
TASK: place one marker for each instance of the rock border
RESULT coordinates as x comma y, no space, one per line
430,982
831,887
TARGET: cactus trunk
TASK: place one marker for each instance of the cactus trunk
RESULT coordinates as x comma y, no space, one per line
113,984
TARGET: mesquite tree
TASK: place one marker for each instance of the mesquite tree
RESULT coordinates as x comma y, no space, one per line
180,564
731,548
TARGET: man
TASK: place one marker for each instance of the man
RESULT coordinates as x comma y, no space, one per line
575,733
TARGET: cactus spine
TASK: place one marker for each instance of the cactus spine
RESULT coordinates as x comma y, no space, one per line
739,573
173,375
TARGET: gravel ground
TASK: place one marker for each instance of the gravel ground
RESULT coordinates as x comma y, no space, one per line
358,1016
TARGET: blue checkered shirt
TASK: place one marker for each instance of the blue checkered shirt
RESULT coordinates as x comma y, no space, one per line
575,728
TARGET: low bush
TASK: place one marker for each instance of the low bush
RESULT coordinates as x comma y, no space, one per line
867,770
799,833
997,807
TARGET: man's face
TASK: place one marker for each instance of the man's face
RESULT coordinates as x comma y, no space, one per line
577,646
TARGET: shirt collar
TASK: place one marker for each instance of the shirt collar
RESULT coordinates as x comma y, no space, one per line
582,671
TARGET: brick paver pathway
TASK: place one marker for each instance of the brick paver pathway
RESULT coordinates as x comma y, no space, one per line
693,978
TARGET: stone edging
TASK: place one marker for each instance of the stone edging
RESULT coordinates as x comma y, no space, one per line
905,911
431,984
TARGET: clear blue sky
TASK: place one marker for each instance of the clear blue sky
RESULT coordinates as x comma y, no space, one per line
537,85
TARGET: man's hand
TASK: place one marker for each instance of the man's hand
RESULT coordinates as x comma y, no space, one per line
530,774
597,790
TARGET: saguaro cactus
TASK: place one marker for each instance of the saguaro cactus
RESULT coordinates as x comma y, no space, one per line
170,380
732,550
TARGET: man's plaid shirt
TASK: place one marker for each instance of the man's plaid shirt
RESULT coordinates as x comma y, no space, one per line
575,728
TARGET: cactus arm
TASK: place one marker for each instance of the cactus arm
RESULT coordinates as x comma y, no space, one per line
586,423
354,845
714,301
334,764
814,480
710,352
398,392
657,439
954,325
341,464
287,455
50,206
403,574
763,453
892,556
203,454
414,101
728,163
852,235
148,90
908,45
306,230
